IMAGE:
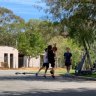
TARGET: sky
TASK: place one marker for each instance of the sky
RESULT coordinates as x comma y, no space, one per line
26,9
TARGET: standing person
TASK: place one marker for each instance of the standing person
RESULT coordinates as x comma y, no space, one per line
68,60
45,63
51,59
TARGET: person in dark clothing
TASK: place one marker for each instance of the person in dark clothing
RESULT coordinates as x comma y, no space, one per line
51,59
68,60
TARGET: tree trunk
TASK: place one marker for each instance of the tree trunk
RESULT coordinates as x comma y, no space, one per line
29,57
88,54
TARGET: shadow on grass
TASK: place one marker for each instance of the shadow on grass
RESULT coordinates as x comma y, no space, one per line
64,92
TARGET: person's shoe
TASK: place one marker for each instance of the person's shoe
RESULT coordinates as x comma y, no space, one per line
24,73
44,76
36,74
53,76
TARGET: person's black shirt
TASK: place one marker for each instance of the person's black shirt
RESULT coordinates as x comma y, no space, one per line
67,56
51,56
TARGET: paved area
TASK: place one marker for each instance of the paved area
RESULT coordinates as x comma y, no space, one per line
29,85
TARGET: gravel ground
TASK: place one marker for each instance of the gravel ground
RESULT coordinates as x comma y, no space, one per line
30,85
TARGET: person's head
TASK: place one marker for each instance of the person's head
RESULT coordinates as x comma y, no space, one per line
67,49
49,47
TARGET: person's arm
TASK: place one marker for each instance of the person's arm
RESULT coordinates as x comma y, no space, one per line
46,55
64,56
71,57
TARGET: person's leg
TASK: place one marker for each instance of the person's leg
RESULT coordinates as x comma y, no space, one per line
45,71
67,64
40,69
47,66
53,72
68,69
52,69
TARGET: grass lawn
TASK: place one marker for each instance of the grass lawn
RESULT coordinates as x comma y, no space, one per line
58,71
91,75
62,71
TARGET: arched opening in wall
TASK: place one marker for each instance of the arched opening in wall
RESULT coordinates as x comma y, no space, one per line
21,60
5,63
5,57
11,60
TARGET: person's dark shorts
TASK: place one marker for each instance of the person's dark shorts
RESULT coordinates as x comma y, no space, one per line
46,65
67,63
52,64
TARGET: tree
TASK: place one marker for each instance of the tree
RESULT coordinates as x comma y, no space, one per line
31,43
46,28
10,25
79,17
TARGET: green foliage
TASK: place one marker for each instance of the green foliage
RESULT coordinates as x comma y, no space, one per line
31,43
10,25
8,17
15,32
48,30
79,17
22,43
62,43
